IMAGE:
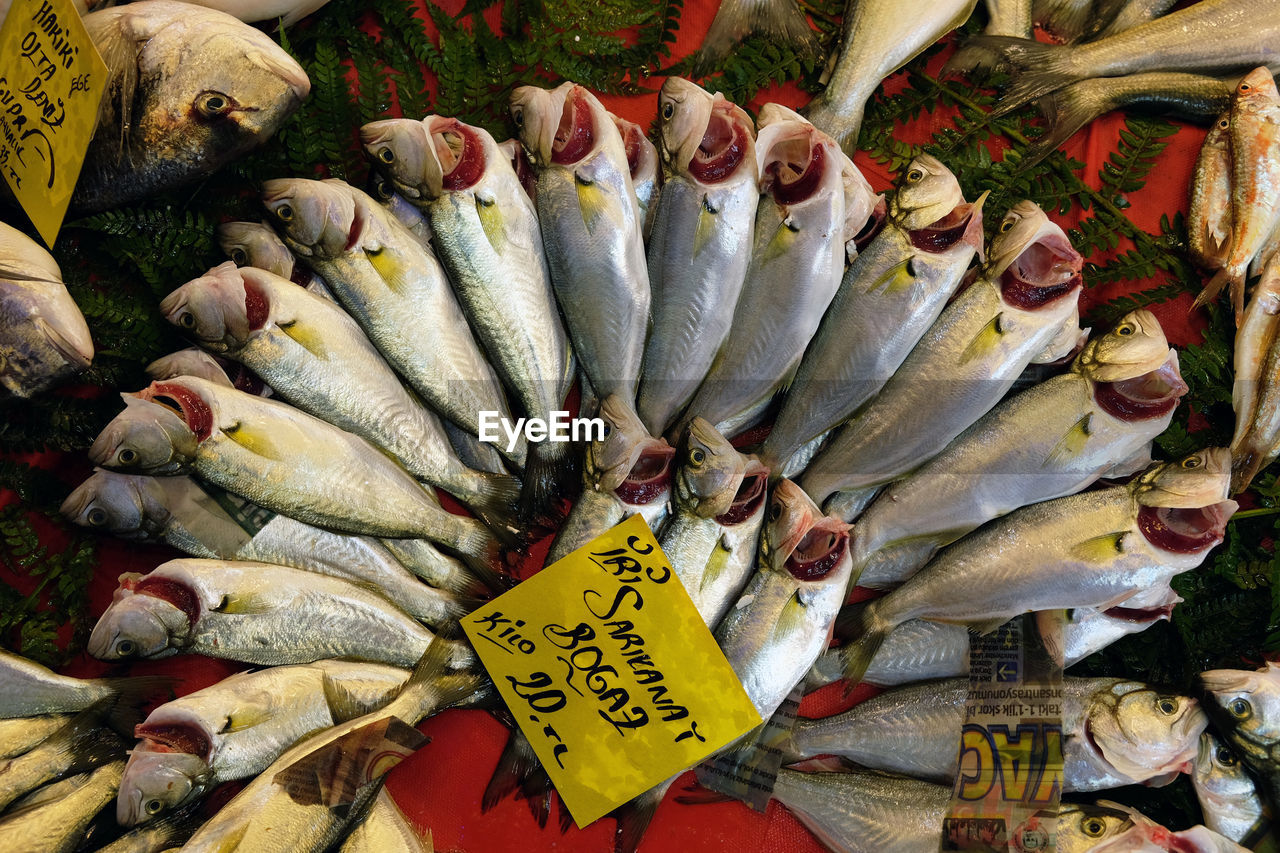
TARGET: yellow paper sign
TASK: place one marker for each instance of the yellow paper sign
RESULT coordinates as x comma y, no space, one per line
610,671
51,81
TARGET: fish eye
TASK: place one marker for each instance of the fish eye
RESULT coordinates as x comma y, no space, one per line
1126,330
668,110
1192,462
187,320
697,456
126,648
1006,225
239,257
1240,709
213,103
96,516
127,456
386,155
153,807
285,213
1224,124
1225,757
915,176
1168,706
775,510
1093,827
517,116
1244,87
608,430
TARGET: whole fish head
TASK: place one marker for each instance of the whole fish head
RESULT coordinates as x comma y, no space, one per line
642,157
316,218
684,109
1246,709
156,782
254,244
44,337
927,192
1217,773
213,309
1082,825
1032,258
145,438
797,162
710,471
1142,732
538,115
1135,346
190,362
704,136
1256,91
121,504
1183,507
400,149
627,460
799,539
1147,395
138,626
456,155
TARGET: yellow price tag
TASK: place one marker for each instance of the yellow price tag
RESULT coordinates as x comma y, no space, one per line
610,671
51,82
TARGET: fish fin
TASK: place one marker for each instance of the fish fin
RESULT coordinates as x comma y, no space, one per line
778,20
697,795
388,269
1099,549
870,630
551,471
516,764
847,619
1245,465
1063,117
593,203
428,691
305,337
87,742
257,442
634,818
894,280
1072,443
129,695
492,222
971,58
247,604
120,46
496,503
781,243
566,819
708,218
481,552
716,564
792,616
987,339
1037,69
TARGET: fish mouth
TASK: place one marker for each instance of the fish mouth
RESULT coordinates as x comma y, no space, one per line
819,551
174,737
723,148
1186,530
632,144
748,499
794,166
75,350
185,403
962,224
576,133
459,152
1046,271
1151,395
649,476
1141,615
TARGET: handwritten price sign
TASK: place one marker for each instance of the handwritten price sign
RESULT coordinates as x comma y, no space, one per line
610,671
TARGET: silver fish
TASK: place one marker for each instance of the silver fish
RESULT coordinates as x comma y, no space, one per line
780,21
256,244
880,36
190,90
281,459
386,830
392,285
255,613
316,357
1025,294
59,826
591,230
1245,707
718,498
1096,549
1229,799
797,258
1004,18
700,246
1052,440
907,272
43,335
235,728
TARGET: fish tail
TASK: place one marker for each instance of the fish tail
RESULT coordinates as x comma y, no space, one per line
1221,279
566,819
1063,116
515,767
433,686
129,695
778,20
843,123
551,473
480,549
970,58
1037,69
496,502
634,818
869,630
88,743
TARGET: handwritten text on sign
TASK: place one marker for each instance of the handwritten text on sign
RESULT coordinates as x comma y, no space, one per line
51,81
610,671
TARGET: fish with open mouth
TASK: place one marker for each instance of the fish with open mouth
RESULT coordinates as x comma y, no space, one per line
1052,440
487,236
1245,708
282,459
256,613
256,244
1024,298
236,727
626,472
907,272
188,91
316,357
395,289
1096,549
700,246
591,231
719,499
798,255
1229,798
43,335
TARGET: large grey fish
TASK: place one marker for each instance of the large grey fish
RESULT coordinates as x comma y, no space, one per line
908,272
43,335
782,22
1025,296
386,830
880,36
591,230
1096,549
1052,440
281,459
396,290
626,472
1229,798
798,254
1209,216
1245,707
780,625
1115,732
1216,36
235,728
316,357
189,90
700,245
487,236
205,521
82,744
58,825
718,498
256,244
255,613
284,808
